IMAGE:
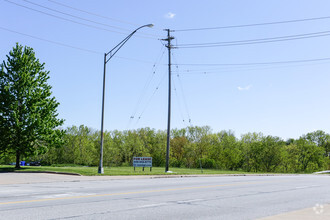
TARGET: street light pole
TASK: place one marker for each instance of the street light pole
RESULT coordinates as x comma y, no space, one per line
100,170
111,53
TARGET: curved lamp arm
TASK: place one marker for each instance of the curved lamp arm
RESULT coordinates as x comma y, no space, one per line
118,46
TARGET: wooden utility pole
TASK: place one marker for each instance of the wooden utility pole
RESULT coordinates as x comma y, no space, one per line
169,47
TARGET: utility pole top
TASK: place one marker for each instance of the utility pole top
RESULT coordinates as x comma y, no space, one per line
168,39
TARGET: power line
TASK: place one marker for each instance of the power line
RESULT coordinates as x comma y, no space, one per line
184,99
69,20
73,16
84,19
53,42
150,98
90,13
255,24
61,18
70,46
245,68
256,63
257,41
177,98
146,86
182,91
178,64
98,15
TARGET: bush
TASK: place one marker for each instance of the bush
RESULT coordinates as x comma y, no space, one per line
206,163
176,163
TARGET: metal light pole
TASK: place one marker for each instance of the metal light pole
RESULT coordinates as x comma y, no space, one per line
111,53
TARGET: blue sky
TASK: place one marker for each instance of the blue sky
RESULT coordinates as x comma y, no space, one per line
285,100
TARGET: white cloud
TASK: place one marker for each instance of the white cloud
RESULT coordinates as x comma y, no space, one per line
170,15
244,88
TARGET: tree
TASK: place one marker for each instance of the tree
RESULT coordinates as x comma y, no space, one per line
28,116
320,138
311,157
271,154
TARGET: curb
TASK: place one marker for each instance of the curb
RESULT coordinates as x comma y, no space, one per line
49,172
160,176
322,172
218,175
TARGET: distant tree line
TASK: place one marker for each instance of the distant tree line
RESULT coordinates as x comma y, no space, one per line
193,147
29,131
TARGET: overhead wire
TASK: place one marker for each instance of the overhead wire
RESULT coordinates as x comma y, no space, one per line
247,68
184,99
98,15
91,13
178,64
254,63
182,91
179,105
89,20
150,98
177,96
146,86
74,16
256,41
53,42
71,46
73,21
254,24
61,18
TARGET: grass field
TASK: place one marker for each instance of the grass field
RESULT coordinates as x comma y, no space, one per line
116,171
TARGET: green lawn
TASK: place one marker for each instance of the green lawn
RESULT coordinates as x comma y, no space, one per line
116,171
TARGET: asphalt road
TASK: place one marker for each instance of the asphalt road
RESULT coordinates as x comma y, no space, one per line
233,197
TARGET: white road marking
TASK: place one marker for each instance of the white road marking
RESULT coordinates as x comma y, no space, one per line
304,187
152,205
189,201
63,195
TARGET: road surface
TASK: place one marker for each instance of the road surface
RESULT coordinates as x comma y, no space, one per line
225,197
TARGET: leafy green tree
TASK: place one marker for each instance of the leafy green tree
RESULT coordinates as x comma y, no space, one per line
271,153
28,112
318,137
84,152
311,157
290,158
177,150
111,155
199,136
231,155
225,150
251,147
158,148
132,147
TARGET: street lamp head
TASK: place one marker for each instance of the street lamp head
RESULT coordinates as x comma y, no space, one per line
150,25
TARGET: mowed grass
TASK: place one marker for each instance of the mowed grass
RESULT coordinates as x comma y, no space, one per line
116,171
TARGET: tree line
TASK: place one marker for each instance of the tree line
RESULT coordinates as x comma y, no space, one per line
193,147
29,131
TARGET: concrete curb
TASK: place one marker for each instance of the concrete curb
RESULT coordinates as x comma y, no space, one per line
48,172
218,175
157,176
322,172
